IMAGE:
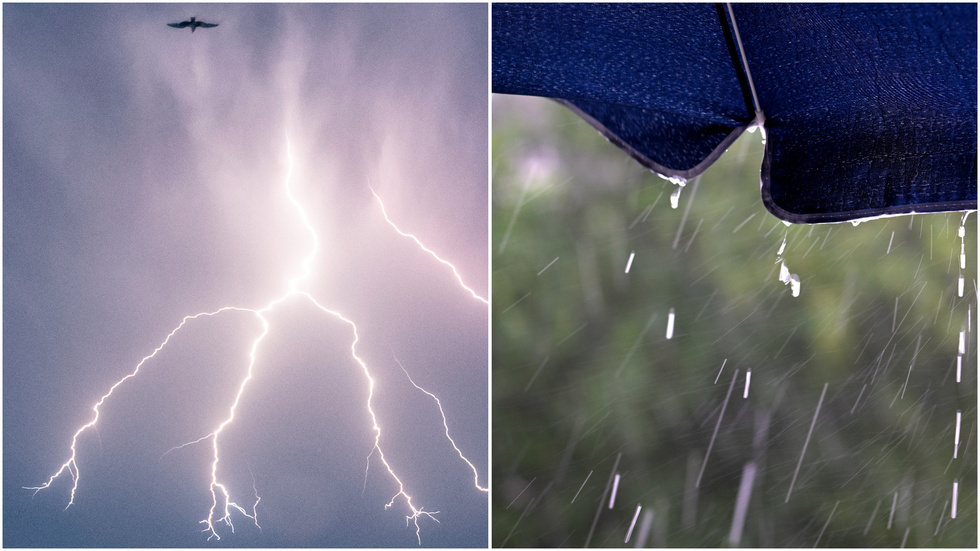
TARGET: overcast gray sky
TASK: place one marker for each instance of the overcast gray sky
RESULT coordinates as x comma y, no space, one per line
144,180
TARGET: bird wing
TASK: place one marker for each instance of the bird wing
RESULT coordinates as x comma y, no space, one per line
180,25
208,25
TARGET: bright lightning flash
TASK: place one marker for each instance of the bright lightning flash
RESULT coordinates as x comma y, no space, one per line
222,505
459,278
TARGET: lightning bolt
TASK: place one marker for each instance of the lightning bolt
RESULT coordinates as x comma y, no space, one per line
71,465
459,278
445,424
222,505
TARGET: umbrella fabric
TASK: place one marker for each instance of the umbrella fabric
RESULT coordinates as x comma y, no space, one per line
869,109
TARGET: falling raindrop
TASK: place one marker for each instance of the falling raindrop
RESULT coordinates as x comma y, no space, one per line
582,486
827,523
633,523
742,503
720,370
792,280
612,499
956,489
645,525
961,233
785,276
891,516
556,260
956,436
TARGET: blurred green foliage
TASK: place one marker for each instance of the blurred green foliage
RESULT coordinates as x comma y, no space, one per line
585,378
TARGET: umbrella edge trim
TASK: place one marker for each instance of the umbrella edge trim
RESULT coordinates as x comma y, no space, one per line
856,215
650,164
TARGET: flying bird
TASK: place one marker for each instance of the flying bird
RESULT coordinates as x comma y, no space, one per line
193,24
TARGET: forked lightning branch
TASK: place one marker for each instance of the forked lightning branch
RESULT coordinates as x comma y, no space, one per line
224,503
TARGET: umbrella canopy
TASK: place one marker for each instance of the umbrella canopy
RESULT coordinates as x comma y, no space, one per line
868,109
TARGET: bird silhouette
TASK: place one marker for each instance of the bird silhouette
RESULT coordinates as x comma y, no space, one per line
193,24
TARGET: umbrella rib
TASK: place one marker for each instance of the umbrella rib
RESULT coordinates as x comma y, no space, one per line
743,82
760,117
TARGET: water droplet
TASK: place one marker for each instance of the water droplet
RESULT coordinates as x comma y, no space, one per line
781,248
636,515
612,499
676,180
675,197
792,280
956,436
956,491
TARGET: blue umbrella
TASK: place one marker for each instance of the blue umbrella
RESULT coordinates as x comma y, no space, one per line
868,109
